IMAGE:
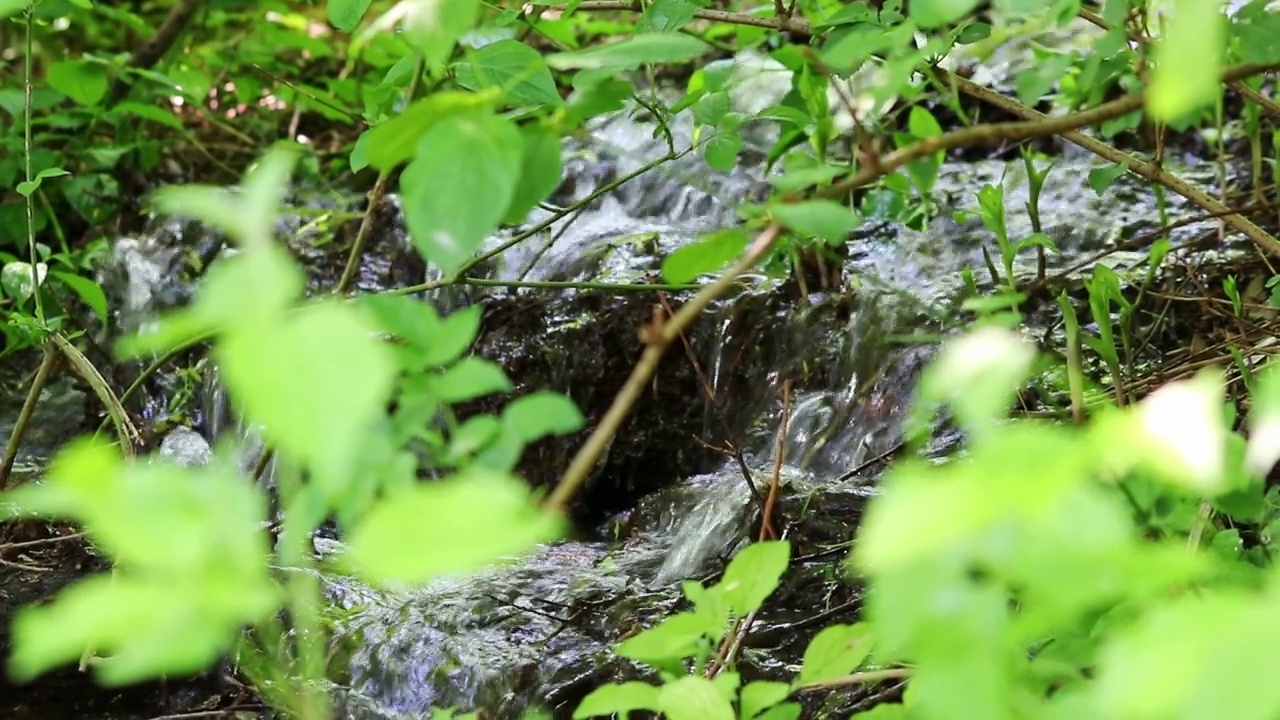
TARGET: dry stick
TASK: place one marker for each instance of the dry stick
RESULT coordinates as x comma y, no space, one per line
791,25
710,392
657,339
28,408
1144,169
766,519
858,678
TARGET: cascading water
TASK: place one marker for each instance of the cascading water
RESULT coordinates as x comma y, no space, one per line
538,630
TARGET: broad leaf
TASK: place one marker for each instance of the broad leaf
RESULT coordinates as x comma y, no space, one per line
447,527
620,698
753,575
345,15
825,219
541,413
513,67
707,255
1188,58
83,81
648,48
458,188
541,171
834,652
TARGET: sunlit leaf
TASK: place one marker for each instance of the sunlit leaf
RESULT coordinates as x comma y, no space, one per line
835,651
447,527
512,67
1188,57
312,379
541,413
458,188
618,698
753,575
694,698
706,255
826,219
655,48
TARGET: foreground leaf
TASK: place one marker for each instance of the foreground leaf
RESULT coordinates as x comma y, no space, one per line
457,189
448,527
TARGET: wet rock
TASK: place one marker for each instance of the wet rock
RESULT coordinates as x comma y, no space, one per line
186,447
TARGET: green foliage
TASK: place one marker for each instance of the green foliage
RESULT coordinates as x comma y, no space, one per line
1119,568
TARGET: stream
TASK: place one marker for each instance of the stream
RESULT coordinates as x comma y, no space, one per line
536,633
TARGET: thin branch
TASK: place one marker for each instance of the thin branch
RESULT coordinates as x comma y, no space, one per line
148,55
785,24
28,408
859,678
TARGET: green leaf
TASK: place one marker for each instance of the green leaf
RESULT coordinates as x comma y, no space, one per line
1203,655
360,151
648,48
12,7
345,15
785,711
190,559
396,140
936,13
835,652
315,379
87,290
761,695
1036,82
694,698
541,413
458,188
722,150
470,378
675,637
1264,421
452,337
753,575
434,27
825,219
707,255
515,68
922,124
541,171
149,112
618,698
83,81
1102,178
434,530
1188,57
666,16
26,187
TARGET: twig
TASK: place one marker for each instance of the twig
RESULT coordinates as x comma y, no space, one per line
858,678
785,24
42,541
766,520
710,392
1144,169
657,339
41,379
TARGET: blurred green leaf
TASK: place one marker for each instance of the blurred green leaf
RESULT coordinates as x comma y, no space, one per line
448,527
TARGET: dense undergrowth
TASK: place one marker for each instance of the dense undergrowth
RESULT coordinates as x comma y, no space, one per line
1116,564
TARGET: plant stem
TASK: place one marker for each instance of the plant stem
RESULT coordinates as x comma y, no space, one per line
28,408
27,150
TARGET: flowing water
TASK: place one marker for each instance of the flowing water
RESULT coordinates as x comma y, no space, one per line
537,631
